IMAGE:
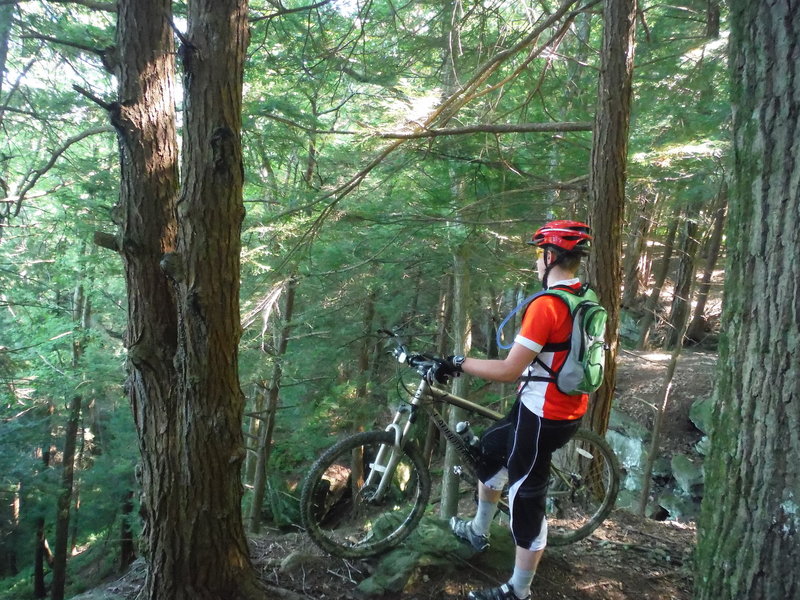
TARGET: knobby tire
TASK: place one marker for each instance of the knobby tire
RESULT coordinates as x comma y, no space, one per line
583,488
340,514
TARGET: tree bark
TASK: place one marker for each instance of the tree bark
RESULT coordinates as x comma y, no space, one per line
750,521
181,260
607,183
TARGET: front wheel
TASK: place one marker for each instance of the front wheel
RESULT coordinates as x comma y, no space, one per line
345,508
583,488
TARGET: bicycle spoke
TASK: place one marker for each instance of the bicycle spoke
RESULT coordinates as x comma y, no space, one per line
583,488
346,509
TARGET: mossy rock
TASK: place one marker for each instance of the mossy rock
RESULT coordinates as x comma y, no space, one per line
433,545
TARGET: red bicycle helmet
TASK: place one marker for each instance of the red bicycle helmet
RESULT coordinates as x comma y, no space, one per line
567,236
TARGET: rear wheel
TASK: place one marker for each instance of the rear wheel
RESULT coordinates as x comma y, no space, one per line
343,508
583,488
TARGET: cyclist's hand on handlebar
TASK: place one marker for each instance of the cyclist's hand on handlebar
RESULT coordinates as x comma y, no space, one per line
444,369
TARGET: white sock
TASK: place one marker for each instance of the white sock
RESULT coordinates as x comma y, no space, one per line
521,581
483,517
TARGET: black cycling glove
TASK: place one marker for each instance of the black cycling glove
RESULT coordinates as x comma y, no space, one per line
444,369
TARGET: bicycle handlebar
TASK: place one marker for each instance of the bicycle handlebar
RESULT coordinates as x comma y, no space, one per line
419,362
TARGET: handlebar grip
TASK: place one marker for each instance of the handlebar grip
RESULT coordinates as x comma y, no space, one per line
421,360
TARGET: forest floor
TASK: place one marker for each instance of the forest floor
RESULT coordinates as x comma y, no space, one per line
627,558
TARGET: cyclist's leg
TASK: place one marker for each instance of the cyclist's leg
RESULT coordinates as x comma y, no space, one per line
529,464
492,477
529,471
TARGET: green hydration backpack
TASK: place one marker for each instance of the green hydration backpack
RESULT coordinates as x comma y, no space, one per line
582,371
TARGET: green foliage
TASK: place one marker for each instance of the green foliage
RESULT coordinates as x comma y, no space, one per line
362,228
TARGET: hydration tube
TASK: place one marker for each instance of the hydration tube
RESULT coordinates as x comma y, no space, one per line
519,307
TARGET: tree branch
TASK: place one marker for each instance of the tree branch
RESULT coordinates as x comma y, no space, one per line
443,113
106,240
53,158
458,99
491,128
288,11
99,101
68,43
103,6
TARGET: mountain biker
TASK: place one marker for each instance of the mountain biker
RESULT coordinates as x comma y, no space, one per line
517,450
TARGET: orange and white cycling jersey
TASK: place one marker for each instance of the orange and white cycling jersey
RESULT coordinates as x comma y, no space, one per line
547,321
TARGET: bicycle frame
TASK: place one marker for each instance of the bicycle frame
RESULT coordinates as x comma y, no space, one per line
423,398
383,481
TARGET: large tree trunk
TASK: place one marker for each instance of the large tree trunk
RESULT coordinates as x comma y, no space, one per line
607,182
750,522
182,270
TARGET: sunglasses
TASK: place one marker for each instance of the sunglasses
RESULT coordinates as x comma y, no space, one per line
539,253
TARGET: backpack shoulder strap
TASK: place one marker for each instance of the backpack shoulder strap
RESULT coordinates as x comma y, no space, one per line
572,299
520,306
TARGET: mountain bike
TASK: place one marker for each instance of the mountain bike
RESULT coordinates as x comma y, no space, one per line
368,492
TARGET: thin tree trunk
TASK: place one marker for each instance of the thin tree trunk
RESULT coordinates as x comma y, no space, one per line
607,183
127,549
260,466
443,318
9,528
684,282
254,432
64,502
461,326
712,19
6,15
76,496
696,330
365,352
268,427
653,300
637,238
655,438
41,555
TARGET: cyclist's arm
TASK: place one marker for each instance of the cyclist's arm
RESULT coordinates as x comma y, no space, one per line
506,369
